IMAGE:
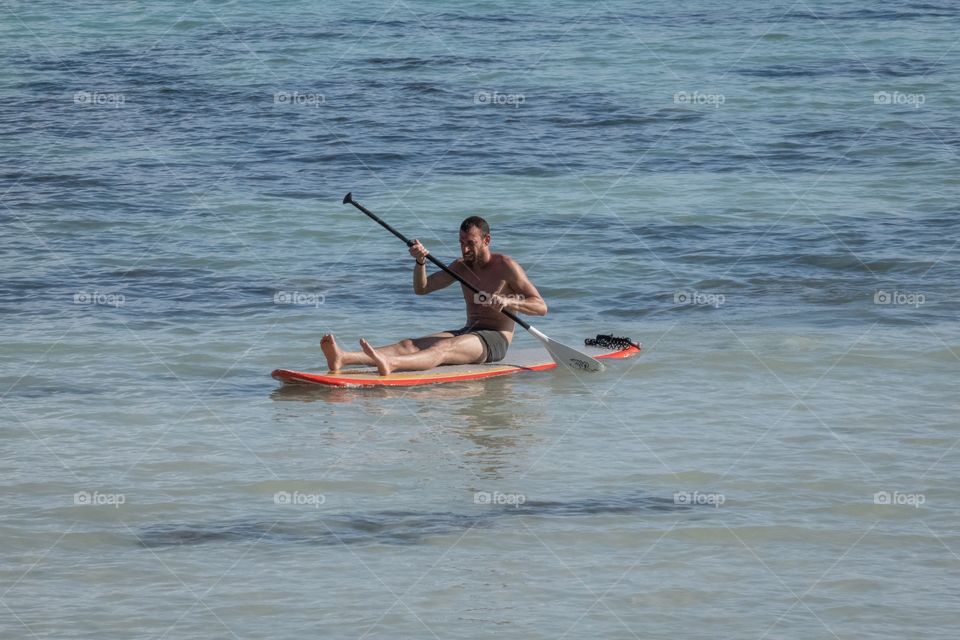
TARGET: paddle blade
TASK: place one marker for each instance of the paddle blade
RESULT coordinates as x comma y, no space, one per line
568,356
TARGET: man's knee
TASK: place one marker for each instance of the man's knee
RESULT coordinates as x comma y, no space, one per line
408,345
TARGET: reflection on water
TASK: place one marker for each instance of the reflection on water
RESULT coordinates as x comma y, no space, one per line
500,424
395,527
493,415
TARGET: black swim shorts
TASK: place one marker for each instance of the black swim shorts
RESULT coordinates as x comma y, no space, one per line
492,339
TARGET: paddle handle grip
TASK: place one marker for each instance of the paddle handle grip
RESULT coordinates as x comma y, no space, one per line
348,199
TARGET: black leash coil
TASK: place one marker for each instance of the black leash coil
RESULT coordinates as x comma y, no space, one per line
610,342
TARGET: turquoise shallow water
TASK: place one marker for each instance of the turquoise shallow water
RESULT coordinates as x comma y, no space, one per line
764,195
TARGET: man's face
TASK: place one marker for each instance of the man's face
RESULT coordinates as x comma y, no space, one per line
473,244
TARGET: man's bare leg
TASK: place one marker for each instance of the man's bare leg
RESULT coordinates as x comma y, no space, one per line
337,357
465,349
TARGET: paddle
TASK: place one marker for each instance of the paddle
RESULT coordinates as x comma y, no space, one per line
560,352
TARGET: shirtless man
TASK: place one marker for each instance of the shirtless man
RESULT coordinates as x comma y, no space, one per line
488,332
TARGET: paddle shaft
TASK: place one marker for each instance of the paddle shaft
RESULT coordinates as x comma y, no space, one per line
349,198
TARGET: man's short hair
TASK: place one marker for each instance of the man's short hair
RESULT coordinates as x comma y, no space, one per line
475,221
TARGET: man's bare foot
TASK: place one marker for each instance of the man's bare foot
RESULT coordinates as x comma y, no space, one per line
330,349
382,365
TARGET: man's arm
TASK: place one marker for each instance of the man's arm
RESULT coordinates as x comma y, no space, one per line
422,284
526,298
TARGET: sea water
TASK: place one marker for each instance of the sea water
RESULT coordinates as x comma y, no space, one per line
763,193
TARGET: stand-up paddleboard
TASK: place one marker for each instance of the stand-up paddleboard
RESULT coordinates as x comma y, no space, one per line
522,359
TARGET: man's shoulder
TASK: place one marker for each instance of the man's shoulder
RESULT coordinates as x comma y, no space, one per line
504,260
